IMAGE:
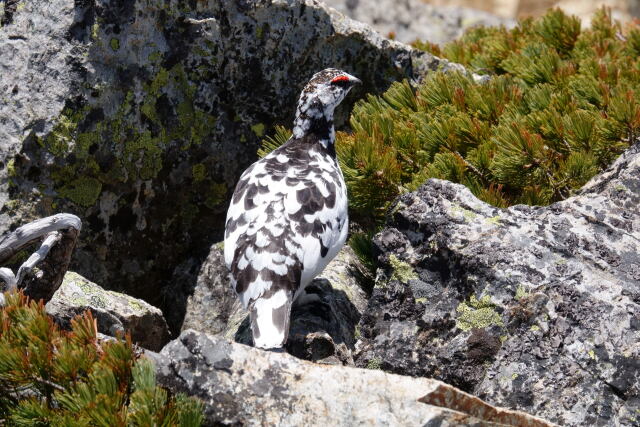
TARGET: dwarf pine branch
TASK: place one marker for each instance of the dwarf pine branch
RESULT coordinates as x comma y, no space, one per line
52,377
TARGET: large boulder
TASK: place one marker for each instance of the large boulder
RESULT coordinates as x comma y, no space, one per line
139,116
411,20
241,385
534,308
115,313
323,323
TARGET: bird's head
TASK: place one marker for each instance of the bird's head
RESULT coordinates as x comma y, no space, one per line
320,96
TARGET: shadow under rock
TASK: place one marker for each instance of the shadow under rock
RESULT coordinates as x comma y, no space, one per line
321,330
175,297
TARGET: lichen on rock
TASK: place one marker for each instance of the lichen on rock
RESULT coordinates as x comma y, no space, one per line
114,312
477,313
402,271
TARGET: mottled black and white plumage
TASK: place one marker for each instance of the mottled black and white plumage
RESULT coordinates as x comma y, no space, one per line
288,215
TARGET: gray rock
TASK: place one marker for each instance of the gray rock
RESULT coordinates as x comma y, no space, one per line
411,20
139,116
241,385
323,322
533,308
36,76
212,302
115,313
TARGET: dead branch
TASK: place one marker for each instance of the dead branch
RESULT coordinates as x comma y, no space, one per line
23,236
60,233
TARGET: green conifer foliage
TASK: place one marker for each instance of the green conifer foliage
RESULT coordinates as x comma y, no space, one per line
50,377
561,105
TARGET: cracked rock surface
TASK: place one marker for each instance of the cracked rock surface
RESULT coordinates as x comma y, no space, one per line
532,308
241,385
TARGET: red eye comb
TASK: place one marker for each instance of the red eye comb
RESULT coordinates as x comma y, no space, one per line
340,79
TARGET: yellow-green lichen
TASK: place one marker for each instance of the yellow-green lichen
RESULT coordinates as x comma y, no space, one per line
73,278
155,56
94,30
153,90
84,141
258,129
185,112
159,81
374,363
216,195
115,44
199,172
592,354
495,220
521,292
421,300
144,155
402,271
477,314
11,167
201,126
180,79
135,305
380,284
466,213
148,108
534,328
82,191
61,136
561,261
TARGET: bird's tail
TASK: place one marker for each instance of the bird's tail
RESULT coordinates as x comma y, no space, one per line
270,319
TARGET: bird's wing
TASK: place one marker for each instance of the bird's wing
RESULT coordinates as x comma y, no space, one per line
317,209
258,248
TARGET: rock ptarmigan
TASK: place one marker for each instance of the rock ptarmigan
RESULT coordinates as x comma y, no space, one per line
288,214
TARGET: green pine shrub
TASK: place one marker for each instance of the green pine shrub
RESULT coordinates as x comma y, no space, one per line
50,377
559,107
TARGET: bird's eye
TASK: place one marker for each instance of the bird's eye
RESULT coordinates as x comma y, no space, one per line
340,81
